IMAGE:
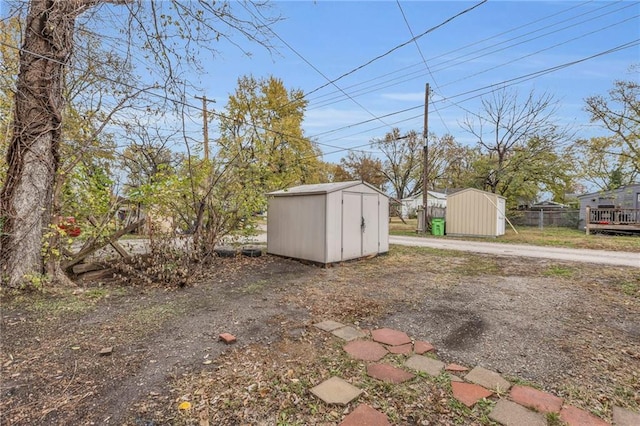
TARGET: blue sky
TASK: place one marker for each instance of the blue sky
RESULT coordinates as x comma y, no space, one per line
496,42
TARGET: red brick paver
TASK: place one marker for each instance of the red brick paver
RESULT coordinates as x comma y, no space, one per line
365,350
421,347
388,373
468,393
538,400
573,416
227,338
456,368
391,337
402,349
365,415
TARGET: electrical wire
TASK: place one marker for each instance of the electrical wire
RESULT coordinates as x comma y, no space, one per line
504,83
430,30
442,65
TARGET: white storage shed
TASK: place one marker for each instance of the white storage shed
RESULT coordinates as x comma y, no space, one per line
472,212
328,222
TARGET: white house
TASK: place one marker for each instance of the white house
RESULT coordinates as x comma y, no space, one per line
410,205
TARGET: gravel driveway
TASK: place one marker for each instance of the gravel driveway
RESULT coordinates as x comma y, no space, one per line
604,257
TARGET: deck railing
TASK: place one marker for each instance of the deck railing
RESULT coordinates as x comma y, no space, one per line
612,219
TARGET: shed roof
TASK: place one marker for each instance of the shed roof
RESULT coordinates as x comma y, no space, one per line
611,191
321,188
455,194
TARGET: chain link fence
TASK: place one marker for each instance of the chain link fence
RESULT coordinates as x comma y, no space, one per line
567,218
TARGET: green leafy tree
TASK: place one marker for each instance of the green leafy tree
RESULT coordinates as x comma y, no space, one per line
599,162
261,136
170,33
604,158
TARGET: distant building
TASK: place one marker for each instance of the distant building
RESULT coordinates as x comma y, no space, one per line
548,205
410,205
625,197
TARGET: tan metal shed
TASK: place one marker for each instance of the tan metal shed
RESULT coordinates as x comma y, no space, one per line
329,222
472,212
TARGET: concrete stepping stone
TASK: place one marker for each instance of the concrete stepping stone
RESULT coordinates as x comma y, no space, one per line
511,414
574,416
336,391
365,415
456,368
405,349
624,417
425,364
328,325
365,350
468,393
536,399
388,373
454,378
390,337
348,333
487,378
421,347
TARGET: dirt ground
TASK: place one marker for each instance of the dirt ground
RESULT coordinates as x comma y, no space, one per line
571,329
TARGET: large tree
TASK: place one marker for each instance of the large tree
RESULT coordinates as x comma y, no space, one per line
261,131
402,161
10,32
358,165
171,32
514,134
619,114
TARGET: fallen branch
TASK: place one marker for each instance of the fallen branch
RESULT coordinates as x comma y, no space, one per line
83,253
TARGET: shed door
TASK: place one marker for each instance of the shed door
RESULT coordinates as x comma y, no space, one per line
351,225
501,216
371,226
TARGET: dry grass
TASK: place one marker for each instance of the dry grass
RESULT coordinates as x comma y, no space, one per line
551,236
256,383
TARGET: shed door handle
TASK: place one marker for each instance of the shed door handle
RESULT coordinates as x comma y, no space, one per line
362,225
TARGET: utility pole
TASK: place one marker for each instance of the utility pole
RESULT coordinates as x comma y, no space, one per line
205,126
425,166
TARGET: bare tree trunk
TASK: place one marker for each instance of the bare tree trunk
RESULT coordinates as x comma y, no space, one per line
33,155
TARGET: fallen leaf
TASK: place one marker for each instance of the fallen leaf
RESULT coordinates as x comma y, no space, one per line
184,405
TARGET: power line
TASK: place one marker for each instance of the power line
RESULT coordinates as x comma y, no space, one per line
487,89
505,83
313,66
424,61
397,47
442,66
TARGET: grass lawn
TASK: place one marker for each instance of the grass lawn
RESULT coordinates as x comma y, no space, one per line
550,236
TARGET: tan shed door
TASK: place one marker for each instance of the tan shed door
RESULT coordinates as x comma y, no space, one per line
351,225
500,227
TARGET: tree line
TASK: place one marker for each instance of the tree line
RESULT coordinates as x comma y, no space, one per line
82,135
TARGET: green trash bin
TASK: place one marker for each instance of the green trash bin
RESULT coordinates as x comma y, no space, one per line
437,226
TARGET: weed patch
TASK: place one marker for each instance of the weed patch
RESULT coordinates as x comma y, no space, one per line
559,271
